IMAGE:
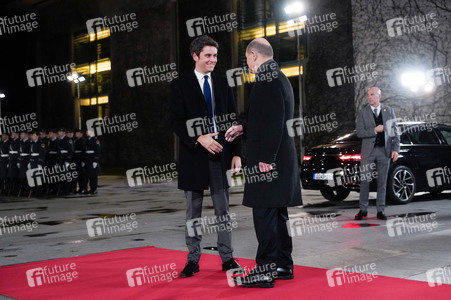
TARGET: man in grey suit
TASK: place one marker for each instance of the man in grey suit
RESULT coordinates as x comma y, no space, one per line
377,127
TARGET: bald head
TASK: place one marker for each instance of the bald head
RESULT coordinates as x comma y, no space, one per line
373,95
261,46
375,90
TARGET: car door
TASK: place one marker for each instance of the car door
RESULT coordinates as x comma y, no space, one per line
444,134
429,153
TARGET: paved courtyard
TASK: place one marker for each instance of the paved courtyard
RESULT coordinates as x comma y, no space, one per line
325,233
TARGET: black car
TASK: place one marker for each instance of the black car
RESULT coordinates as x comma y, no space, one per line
424,164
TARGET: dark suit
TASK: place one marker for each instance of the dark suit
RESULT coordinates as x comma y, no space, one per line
374,156
271,105
198,169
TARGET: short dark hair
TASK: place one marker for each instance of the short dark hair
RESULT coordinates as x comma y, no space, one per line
261,48
200,42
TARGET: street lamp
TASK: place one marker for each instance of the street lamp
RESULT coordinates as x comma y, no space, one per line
77,78
294,10
2,95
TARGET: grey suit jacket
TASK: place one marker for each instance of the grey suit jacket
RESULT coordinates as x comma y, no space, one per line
365,125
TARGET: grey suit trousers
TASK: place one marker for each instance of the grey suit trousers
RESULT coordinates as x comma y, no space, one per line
193,231
377,161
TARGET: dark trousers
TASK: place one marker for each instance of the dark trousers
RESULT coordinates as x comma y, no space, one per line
220,198
93,182
274,243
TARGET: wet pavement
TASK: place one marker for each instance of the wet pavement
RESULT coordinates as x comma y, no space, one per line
325,234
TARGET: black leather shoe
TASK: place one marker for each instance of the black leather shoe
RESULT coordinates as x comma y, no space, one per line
360,215
381,216
284,274
190,268
232,264
255,280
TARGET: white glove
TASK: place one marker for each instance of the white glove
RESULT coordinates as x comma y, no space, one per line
94,165
39,167
28,166
18,165
82,164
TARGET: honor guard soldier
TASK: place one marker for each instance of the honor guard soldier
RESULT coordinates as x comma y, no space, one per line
51,158
24,160
65,146
43,138
37,158
91,161
4,161
52,148
77,158
13,168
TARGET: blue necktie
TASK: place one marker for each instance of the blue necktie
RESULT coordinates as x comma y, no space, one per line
207,95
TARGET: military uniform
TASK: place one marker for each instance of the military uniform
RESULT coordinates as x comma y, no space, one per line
4,161
91,160
24,160
50,161
37,160
77,158
52,153
13,168
65,151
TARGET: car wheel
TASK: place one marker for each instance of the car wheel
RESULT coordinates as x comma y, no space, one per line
401,185
337,194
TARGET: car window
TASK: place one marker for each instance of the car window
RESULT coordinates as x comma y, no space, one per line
446,134
405,139
420,135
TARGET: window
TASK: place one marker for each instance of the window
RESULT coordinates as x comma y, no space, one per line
421,135
92,58
446,134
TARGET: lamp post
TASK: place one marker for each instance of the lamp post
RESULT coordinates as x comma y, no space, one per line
295,9
77,78
2,95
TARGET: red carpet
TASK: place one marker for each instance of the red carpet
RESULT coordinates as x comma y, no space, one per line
105,276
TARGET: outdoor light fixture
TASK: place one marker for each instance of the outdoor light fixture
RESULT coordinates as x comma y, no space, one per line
2,95
294,8
77,78
416,81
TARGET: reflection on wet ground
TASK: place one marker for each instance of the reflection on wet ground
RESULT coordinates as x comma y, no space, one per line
359,225
411,214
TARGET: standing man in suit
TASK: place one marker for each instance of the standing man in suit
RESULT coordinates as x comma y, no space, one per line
204,156
270,149
378,129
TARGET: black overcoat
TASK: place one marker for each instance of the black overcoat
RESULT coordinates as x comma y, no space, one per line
271,105
188,103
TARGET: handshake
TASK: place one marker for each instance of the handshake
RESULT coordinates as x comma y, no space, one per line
233,132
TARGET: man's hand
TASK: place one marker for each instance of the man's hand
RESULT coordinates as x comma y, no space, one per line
209,143
379,128
264,167
394,156
236,164
233,132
